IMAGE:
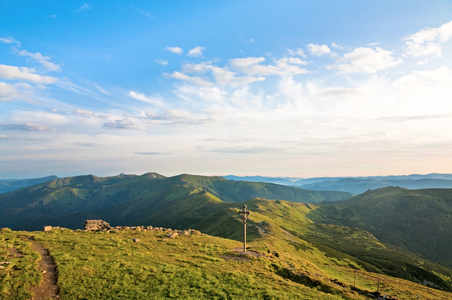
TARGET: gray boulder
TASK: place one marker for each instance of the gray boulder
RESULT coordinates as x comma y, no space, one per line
96,225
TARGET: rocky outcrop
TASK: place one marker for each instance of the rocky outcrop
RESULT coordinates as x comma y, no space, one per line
99,225
169,232
96,225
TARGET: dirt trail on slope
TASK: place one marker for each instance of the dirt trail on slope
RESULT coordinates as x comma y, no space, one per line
48,288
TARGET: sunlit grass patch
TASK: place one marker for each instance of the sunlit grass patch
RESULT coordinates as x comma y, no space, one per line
112,266
18,268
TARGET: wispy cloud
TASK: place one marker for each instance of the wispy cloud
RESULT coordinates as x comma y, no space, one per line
8,40
23,73
252,150
147,99
124,124
297,52
10,92
41,59
24,127
282,67
175,50
162,62
84,7
152,153
191,79
196,52
26,81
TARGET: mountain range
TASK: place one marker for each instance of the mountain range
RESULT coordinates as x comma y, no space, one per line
393,231
354,185
357,185
128,199
8,185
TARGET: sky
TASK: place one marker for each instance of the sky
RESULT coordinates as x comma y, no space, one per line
252,87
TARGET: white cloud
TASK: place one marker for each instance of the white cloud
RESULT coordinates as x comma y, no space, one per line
162,62
318,50
38,57
428,41
191,79
367,60
196,52
283,67
434,83
175,50
23,73
298,52
8,40
225,77
18,91
423,49
84,113
175,117
84,7
197,68
146,99
334,45
292,60
124,124
245,63
222,76
24,127
239,71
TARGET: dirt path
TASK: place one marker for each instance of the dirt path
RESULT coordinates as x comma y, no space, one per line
48,289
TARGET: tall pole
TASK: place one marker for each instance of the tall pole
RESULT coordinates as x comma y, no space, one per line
244,235
244,213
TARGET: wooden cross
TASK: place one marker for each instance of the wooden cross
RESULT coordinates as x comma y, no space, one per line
245,213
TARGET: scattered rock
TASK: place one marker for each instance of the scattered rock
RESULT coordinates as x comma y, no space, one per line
172,234
96,225
194,231
47,228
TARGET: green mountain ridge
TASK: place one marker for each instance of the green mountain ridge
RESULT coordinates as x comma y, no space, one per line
126,199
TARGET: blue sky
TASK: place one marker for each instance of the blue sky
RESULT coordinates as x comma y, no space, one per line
275,88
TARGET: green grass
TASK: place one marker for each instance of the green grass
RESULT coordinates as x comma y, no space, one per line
21,273
109,265
112,266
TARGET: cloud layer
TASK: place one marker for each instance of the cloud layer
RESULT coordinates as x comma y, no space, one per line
317,107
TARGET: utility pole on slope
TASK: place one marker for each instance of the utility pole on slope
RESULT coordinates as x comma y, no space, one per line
244,213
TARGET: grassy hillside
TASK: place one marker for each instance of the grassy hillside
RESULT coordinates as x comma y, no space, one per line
280,220
415,220
130,264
